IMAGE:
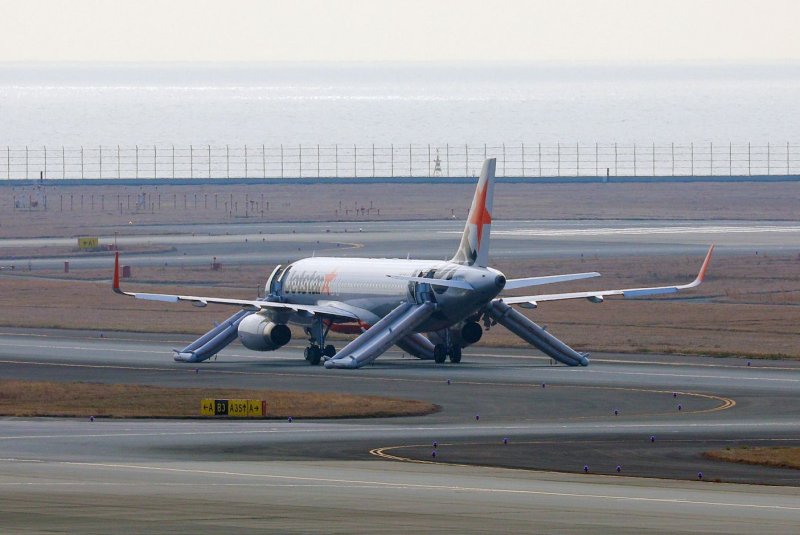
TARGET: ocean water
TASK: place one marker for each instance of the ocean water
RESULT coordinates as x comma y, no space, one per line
239,104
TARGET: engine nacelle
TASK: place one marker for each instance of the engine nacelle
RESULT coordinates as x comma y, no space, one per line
469,333
259,334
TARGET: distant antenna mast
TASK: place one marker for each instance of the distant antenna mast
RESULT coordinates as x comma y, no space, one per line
437,165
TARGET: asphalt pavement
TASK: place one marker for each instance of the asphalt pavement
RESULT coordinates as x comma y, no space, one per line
513,439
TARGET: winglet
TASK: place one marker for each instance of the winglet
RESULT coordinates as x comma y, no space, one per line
701,275
116,274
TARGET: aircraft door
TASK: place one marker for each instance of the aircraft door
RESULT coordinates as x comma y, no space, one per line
274,286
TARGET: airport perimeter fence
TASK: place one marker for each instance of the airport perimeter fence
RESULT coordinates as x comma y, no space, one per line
524,160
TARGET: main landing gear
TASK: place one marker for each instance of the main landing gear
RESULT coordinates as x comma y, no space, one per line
317,348
442,351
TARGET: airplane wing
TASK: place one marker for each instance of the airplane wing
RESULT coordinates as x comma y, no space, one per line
513,284
253,305
596,296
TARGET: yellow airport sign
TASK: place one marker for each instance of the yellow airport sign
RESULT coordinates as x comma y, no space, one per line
235,408
207,407
256,408
88,243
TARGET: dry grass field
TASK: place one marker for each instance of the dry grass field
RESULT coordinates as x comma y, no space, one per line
781,457
748,307
39,398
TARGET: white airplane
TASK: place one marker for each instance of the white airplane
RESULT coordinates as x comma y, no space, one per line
430,309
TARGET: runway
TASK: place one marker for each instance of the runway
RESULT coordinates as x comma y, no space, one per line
270,243
380,475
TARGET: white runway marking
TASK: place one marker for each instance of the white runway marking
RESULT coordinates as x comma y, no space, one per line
290,429
638,231
349,483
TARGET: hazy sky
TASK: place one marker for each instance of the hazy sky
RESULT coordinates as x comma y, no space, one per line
405,30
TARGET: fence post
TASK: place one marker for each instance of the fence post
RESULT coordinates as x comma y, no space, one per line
44,174
523,158
8,162
26,162
558,157
191,161
429,158
155,162
410,168
245,169
691,147
82,175
616,172
769,167
787,157
730,159
264,166
392,158
635,173
540,160
336,158
577,159
447,154
504,159
672,146
466,160
281,160
749,172
317,160
300,160
209,161
373,160
711,158
227,161
100,161
355,162
596,158
63,164
654,158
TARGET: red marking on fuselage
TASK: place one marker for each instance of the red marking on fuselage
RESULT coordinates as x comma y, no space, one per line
349,328
326,283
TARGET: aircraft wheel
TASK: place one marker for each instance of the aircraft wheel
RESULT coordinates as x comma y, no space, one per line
329,350
307,354
439,353
455,354
314,355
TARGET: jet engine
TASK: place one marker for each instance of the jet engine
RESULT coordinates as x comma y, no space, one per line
469,333
260,334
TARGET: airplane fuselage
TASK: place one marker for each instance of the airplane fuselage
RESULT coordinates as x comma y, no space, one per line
367,284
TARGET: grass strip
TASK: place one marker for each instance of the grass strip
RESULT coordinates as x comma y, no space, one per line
780,457
84,399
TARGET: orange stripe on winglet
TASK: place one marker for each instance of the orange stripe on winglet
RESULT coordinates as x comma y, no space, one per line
116,273
702,275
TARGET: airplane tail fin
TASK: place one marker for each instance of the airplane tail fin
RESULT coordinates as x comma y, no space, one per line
474,247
